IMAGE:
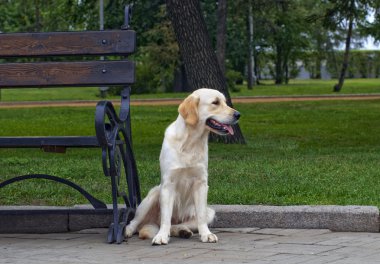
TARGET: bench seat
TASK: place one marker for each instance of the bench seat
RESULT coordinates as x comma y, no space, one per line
40,142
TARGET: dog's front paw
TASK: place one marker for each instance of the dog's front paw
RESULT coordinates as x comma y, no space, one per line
128,231
209,238
160,239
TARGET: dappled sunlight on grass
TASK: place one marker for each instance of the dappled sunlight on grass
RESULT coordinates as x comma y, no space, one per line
324,152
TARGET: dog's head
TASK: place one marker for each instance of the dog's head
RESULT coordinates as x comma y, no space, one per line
207,108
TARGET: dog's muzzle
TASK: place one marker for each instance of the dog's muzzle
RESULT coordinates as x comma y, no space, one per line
223,128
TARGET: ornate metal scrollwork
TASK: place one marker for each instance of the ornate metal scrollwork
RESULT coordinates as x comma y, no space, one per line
97,204
114,136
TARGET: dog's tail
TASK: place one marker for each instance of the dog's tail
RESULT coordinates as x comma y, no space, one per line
148,231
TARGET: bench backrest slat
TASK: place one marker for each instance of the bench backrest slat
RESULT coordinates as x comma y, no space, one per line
66,73
110,42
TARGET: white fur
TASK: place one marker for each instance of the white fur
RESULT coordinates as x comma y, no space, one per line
178,206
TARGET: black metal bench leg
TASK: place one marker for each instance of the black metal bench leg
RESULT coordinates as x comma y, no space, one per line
131,177
114,135
115,232
121,216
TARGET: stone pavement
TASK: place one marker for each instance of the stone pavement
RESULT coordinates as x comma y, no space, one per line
243,245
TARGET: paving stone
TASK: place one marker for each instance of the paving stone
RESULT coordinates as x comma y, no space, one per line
269,231
291,232
317,259
333,240
247,242
231,256
303,240
313,232
374,257
237,230
347,252
296,258
301,249
355,260
234,246
279,257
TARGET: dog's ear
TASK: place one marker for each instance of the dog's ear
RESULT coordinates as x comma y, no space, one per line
188,109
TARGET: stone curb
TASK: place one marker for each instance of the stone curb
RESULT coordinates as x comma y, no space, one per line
335,218
42,219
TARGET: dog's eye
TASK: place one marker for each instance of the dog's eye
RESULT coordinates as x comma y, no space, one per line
216,102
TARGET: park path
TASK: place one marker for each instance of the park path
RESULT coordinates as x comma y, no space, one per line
176,101
244,245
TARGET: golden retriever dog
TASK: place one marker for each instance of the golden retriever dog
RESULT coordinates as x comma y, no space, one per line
178,206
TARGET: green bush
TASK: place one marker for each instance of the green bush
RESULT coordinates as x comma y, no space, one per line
157,59
362,64
233,77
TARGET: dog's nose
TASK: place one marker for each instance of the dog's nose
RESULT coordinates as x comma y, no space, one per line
237,115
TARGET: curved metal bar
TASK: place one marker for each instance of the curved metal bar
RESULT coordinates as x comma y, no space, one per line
103,130
97,204
132,177
125,102
105,108
130,199
106,170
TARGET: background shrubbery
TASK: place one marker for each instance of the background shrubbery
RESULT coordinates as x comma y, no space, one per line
286,33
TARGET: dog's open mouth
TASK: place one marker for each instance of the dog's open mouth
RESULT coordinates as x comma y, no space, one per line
219,128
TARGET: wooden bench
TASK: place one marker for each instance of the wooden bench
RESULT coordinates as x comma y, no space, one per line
112,130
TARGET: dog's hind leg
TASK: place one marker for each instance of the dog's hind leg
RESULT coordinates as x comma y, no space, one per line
143,212
181,230
148,231
186,229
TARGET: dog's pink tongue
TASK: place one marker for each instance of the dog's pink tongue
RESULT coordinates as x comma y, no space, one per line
229,128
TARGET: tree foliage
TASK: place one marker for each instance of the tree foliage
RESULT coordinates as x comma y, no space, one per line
345,16
285,34
48,15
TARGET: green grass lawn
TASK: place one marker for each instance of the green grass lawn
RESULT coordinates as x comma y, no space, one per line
313,87
324,152
295,87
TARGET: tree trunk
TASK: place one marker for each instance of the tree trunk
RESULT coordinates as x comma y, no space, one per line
257,68
318,68
286,67
221,33
201,63
251,61
279,78
180,83
339,85
318,58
